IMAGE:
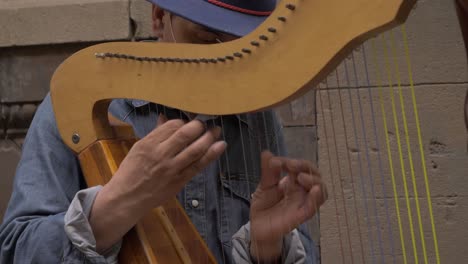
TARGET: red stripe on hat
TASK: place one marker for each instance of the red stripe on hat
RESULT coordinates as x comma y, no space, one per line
239,9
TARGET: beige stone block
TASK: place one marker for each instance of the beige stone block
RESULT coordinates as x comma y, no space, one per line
299,112
25,72
140,13
348,148
349,160
436,52
301,142
367,238
26,22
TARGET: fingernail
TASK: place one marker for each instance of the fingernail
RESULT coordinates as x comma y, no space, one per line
220,146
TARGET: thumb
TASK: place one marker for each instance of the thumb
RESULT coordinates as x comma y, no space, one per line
271,170
161,120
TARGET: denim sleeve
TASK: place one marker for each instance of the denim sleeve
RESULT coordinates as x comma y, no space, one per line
46,181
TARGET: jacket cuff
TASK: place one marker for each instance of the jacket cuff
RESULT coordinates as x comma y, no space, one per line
78,228
293,250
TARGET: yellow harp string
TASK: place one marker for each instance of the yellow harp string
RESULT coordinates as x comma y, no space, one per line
400,151
421,148
408,145
389,152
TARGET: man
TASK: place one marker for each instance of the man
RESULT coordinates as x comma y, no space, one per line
52,217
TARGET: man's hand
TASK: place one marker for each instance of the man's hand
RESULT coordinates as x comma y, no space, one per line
280,205
154,171
159,165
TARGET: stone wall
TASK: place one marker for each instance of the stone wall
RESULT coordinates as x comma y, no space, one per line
359,223
35,37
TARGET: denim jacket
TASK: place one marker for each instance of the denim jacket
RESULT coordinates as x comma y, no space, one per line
46,220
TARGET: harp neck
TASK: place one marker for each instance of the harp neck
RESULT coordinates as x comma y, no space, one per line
233,77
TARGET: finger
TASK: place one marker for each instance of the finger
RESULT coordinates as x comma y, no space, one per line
315,199
213,153
164,131
183,137
308,167
161,120
271,170
307,181
197,149
296,166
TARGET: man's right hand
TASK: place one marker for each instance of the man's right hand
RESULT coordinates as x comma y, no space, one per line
154,171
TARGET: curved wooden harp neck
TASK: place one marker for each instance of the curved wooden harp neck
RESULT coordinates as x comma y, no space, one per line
301,42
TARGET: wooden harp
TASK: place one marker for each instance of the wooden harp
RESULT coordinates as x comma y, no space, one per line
303,41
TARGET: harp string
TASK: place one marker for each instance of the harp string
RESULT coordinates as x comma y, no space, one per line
389,151
420,143
377,142
363,186
410,156
366,147
338,161
315,218
399,145
220,182
353,189
329,157
228,170
244,160
331,171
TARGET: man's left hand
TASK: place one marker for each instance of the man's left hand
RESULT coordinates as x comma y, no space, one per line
279,204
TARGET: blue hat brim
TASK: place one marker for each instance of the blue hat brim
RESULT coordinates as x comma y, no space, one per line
212,16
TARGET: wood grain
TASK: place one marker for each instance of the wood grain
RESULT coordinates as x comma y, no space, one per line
164,235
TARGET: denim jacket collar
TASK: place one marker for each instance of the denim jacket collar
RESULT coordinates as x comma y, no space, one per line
140,103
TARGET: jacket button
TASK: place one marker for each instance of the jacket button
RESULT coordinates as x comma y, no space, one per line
195,203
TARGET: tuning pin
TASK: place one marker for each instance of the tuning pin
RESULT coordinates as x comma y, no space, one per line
291,7
282,19
255,43
263,37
